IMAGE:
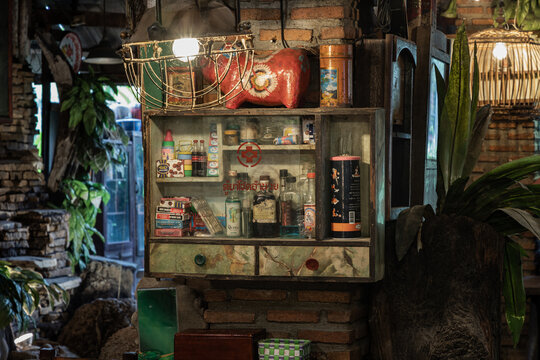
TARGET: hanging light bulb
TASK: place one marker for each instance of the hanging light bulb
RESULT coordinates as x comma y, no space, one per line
500,51
184,48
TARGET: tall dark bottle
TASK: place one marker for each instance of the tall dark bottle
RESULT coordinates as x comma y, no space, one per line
265,220
195,158
202,158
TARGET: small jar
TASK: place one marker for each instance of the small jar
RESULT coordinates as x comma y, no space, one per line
230,137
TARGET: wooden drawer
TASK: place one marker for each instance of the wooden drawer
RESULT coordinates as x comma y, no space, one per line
202,259
328,261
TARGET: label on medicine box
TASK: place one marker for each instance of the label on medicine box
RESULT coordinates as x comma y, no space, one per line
175,202
172,216
168,224
170,168
171,232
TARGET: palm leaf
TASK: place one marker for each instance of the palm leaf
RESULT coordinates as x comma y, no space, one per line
454,124
513,289
478,133
475,89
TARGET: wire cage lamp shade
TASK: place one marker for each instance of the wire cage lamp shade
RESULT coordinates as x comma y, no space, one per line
166,74
509,68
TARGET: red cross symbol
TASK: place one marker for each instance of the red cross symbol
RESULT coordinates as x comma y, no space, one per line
248,153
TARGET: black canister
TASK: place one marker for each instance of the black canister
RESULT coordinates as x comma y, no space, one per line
345,217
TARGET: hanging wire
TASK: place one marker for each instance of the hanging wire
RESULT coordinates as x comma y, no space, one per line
282,17
383,16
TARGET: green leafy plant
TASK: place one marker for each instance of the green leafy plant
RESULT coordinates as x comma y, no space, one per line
100,143
98,137
82,201
497,198
20,294
526,13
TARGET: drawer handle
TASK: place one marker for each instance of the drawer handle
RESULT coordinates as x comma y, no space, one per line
312,264
200,259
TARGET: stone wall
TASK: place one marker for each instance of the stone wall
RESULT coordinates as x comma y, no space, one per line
31,236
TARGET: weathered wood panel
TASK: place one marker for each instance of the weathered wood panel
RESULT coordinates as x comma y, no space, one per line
332,261
219,259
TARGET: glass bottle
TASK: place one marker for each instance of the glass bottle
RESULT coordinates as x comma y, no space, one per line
290,209
233,207
246,198
268,137
309,206
265,222
195,158
202,161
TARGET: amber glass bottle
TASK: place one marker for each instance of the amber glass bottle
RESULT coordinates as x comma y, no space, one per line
265,222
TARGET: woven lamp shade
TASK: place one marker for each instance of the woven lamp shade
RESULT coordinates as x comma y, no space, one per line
509,64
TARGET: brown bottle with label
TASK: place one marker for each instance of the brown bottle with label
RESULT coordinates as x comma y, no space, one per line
265,220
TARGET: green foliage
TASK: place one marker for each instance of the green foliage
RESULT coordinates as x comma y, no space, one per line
525,13
82,201
20,294
497,198
98,137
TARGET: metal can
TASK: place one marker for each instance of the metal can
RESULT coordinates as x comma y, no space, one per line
336,75
345,183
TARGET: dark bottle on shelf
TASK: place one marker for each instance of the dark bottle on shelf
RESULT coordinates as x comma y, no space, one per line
265,222
195,158
202,158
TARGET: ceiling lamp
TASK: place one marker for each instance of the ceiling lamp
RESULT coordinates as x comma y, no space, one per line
509,66
103,53
167,74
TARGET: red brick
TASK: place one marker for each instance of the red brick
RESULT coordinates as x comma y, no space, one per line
213,295
521,136
343,355
338,32
491,158
329,337
527,244
322,12
492,136
220,317
459,22
293,316
324,296
486,21
503,148
528,124
470,10
343,316
502,125
527,148
290,35
259,14
261,295
278,334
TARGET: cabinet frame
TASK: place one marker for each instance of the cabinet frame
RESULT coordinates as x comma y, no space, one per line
378,148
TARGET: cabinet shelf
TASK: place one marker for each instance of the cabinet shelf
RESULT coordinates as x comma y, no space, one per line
301,147
222,240
191,179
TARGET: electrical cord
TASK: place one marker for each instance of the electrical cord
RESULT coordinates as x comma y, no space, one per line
282,17
383,16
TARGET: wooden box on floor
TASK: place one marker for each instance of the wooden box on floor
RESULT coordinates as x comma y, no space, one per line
236,344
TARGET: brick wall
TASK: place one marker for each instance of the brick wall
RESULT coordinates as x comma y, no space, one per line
308,24
332,316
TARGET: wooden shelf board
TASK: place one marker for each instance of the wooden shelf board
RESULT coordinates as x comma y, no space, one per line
265,112
301,147
190,179
221,240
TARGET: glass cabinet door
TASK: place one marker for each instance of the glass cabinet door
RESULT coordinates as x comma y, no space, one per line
280,192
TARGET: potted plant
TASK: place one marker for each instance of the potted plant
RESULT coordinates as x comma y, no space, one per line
20,293
441,291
